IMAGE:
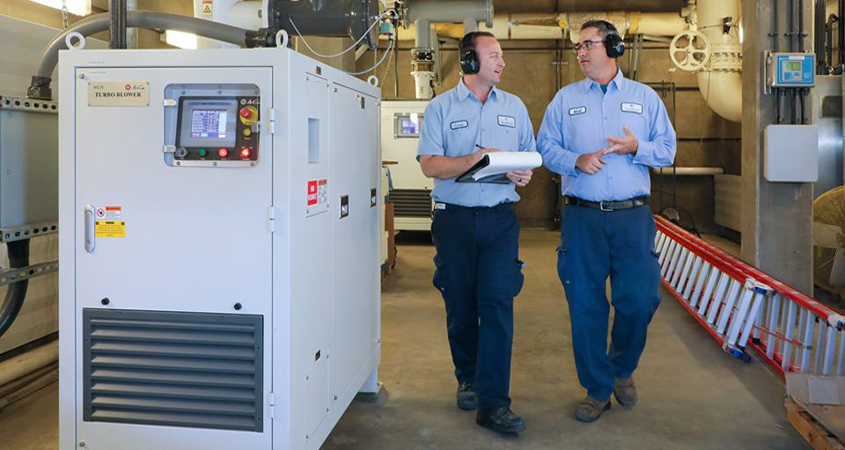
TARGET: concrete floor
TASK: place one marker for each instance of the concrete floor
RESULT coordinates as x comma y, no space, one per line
692,395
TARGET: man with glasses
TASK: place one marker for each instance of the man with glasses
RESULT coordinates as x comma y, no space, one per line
474,228
602,134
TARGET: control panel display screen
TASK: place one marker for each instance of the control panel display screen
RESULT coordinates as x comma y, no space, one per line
793,66
407,125
208,122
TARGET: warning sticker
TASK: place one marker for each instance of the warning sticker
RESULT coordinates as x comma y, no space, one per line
322,191
109,222
110,228
206,8
312,193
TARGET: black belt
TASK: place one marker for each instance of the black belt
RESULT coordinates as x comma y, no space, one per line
607,205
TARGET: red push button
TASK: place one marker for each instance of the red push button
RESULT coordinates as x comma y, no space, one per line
245,152
223,153
246,113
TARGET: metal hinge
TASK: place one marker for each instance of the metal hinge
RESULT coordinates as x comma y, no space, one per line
271,219
271,401
272,120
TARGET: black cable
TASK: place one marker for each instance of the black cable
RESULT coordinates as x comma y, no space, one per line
16,292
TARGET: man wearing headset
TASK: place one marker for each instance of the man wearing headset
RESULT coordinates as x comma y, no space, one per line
602,134
474,228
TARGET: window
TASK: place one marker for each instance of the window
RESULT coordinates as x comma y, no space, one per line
77,7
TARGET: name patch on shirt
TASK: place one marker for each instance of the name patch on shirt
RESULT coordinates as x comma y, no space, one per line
459,124
507,121
577,111
632,108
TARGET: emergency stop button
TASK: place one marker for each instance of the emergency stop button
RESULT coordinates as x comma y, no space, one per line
248,115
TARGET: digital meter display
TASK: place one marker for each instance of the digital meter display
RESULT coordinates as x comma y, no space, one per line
407,125
208,123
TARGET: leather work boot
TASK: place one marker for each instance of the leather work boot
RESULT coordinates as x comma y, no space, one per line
625,392
501,419
467,400
591,409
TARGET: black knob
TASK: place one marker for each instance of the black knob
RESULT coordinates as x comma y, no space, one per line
105,301
238,306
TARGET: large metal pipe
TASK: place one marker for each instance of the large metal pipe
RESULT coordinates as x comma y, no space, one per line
542,26
689,171
40,87
28,362
338,18
721,83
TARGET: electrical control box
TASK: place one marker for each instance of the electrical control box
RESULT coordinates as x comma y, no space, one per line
791,70
791,153
28,165
219,237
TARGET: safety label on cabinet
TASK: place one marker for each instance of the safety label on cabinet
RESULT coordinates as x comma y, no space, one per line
109,222
318,192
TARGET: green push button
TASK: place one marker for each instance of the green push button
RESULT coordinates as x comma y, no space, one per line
203,153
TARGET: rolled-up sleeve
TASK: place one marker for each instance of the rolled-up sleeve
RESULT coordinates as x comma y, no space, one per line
659,150
551,142
431,132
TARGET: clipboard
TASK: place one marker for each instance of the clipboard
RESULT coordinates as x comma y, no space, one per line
493,167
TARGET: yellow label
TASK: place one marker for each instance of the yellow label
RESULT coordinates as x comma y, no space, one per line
110,228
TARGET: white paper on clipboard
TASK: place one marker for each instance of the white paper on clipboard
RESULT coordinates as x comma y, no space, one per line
492,167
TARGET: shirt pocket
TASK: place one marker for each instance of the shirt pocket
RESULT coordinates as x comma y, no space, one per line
636,122
507,138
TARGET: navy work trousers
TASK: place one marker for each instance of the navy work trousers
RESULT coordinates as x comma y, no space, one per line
596,244
478,274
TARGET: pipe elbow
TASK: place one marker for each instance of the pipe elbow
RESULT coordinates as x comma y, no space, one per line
723,93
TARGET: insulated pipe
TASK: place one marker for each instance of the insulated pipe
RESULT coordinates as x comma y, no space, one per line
246,15
542,26
688,171
721,83
40,87
451,11
28,362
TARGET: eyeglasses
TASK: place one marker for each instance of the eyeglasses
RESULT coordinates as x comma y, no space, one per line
586,45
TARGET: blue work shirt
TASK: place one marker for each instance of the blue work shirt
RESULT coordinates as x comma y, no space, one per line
456,121
579,120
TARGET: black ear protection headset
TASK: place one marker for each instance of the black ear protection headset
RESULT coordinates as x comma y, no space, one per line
613,41
469,58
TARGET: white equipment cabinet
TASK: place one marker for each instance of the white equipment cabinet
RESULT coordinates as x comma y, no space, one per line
219,240
401,122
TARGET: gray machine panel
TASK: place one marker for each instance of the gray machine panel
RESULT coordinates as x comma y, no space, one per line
29,166
195,370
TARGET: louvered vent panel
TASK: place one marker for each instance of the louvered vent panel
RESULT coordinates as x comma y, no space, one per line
411,202
195,370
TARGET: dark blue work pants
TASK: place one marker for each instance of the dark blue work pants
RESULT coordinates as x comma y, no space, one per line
478,274
596,244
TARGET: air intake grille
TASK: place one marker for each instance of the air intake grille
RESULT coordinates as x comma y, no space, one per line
193,370
411,202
